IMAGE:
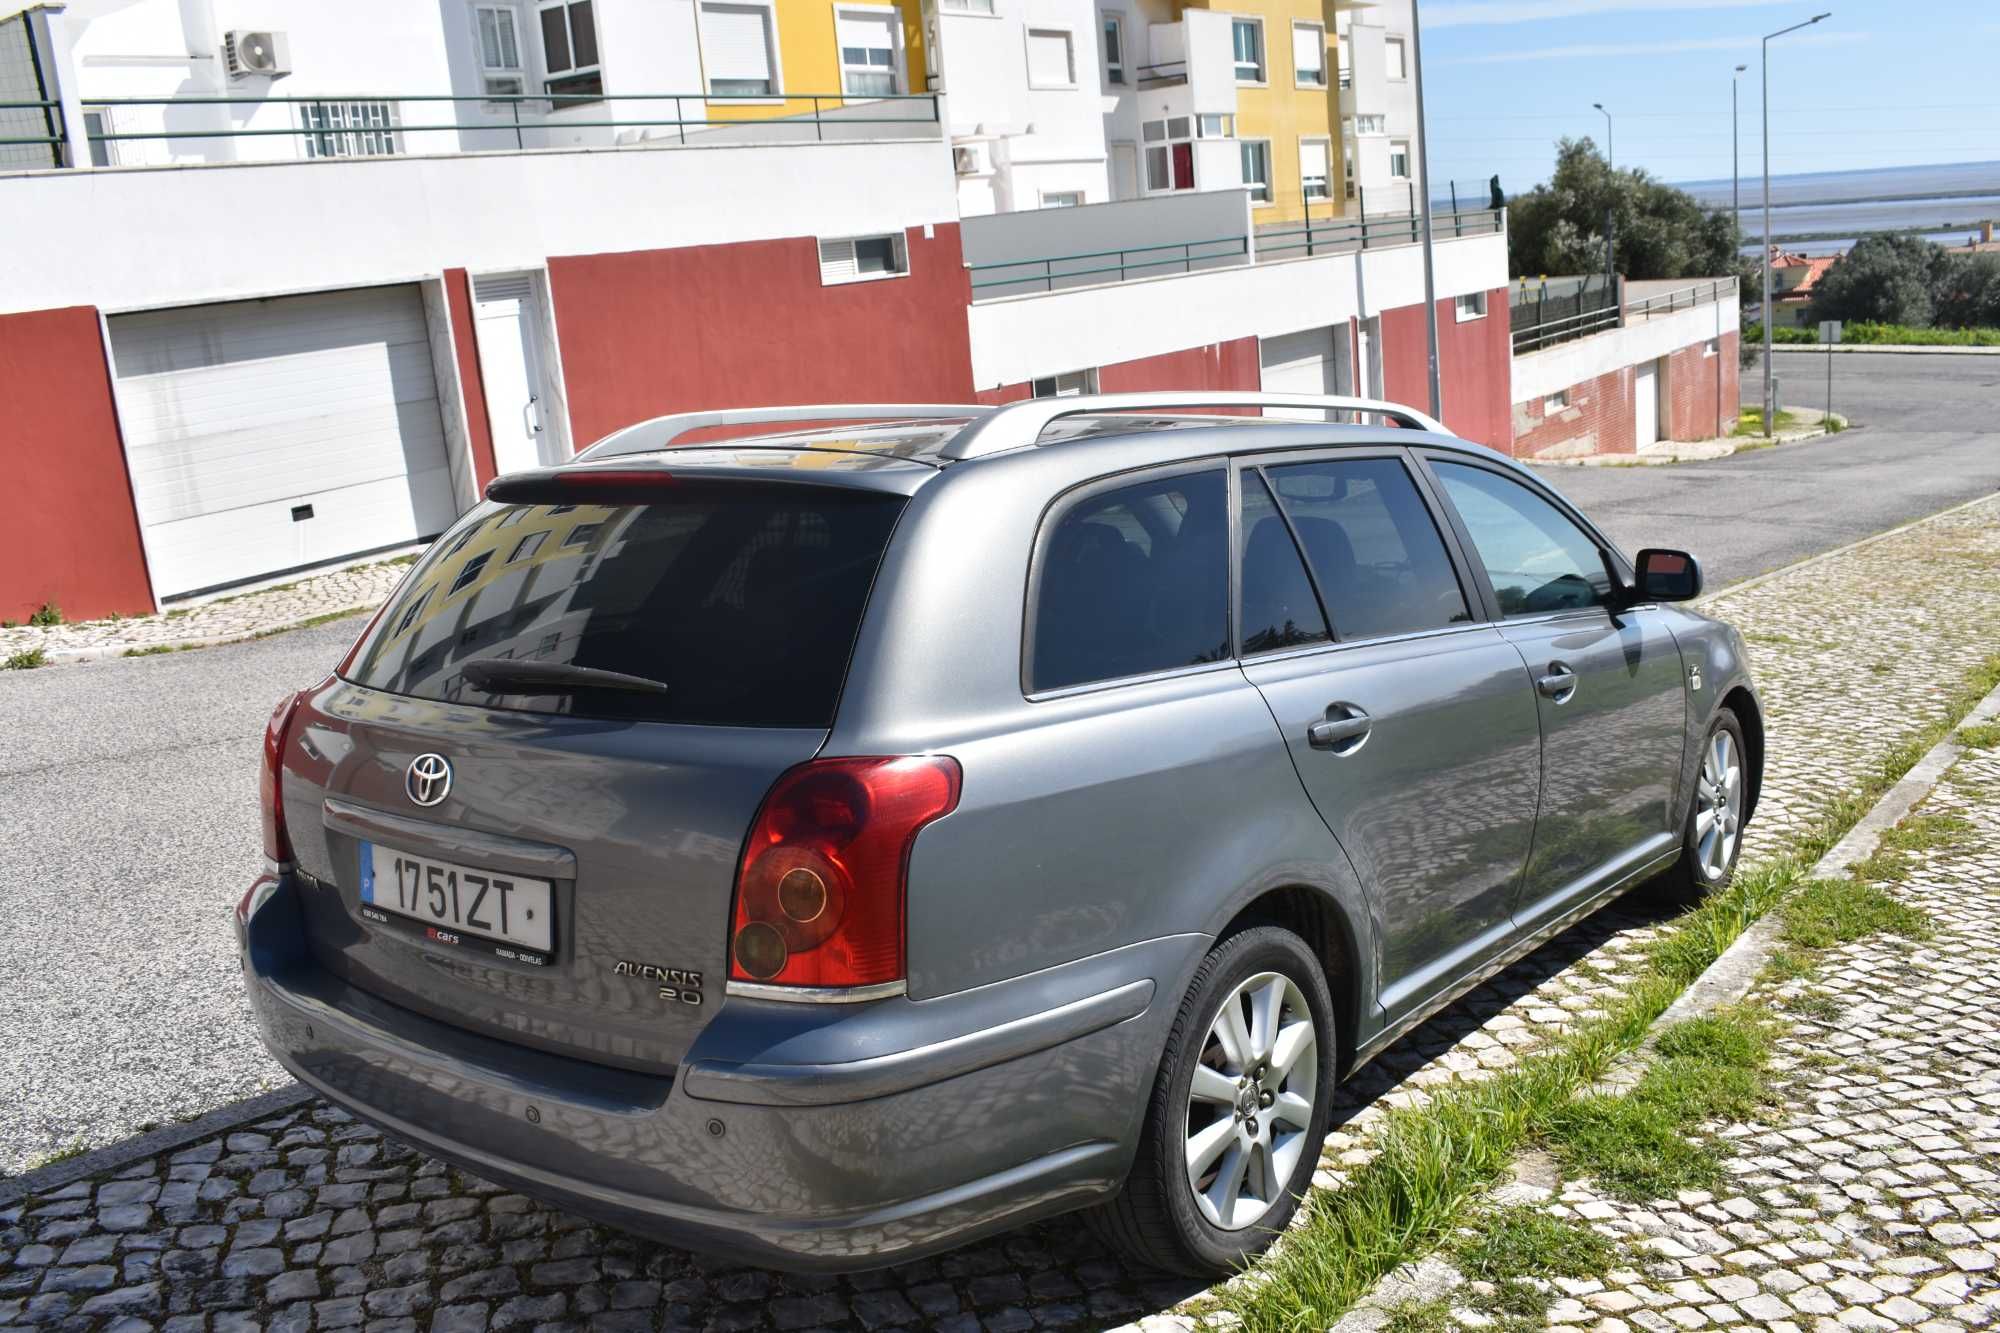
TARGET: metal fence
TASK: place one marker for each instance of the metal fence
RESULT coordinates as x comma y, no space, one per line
1683,298
29,121
1343,235
1540,317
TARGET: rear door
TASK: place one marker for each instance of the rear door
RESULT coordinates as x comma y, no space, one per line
1411,723
1609,687
557,868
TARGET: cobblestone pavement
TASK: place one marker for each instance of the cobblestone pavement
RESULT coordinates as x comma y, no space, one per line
360,588
313,1220
1869,1197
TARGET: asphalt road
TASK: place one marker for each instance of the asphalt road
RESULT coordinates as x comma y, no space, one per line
128,830
1927,438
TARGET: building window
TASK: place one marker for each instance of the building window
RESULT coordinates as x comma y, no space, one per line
1169,154
1399,159
1309,55
1395,58
1070,385
498,29
1470,306
1062,198
1248,34
1215,125
868,55
1257,169
1051,58
1371,124
739,50
1555,402
582,534
471,570
1347,157
569,49
527,546
1314,167
1709,348
966,6
862,259
1114,49
348,129
97,124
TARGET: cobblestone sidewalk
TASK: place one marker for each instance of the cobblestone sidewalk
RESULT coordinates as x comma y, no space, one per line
311,1220
360,588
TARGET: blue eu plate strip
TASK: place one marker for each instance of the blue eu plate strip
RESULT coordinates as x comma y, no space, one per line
367,854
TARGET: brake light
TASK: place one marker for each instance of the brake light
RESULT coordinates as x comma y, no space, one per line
820,892
277,842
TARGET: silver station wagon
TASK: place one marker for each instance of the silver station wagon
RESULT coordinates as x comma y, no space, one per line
835,845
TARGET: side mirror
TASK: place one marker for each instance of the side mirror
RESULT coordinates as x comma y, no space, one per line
1666,576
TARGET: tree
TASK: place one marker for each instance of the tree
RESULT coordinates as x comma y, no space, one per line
1888,279
1969,296
1657,230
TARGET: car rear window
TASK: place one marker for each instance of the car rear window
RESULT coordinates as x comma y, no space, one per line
742,599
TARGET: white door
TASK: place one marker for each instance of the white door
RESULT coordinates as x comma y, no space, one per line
510,369
269,436
1300,362
1124,171
1371,356
1646,404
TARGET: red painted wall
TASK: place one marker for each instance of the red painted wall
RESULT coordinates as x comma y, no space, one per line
1598,420
71,534
1700,397
1225,365
1475,367
656,331
472,384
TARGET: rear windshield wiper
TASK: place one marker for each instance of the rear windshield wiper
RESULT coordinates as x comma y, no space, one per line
506,675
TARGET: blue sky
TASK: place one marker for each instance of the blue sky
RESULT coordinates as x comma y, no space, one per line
1881,83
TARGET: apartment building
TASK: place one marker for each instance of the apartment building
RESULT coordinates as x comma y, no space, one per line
1377,107
271,300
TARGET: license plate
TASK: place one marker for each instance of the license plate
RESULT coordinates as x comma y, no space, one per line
453,899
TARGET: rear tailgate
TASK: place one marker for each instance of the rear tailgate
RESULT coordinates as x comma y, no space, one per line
556,866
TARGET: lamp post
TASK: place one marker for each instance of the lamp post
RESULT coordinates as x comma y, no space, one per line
1608,158
1424,195
1735,164
1764,76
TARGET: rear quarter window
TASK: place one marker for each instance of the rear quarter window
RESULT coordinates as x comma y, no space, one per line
744,600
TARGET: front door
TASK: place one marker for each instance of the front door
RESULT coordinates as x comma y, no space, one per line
1609,689
510,367
1124,171
1412,724
1646,404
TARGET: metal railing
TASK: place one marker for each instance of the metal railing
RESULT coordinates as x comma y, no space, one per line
1344,235
822,111
1538,319
1121,262
1682,298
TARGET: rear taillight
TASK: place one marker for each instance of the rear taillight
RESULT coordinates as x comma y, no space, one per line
819,896
277,843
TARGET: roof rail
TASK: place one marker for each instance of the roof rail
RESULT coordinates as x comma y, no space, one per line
1018,425
661,432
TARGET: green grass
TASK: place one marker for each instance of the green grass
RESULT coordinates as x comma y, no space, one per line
1512,1243
1420,1317
1829,912
1867,332
1433,1160
25,660
1984,736
150,650
48,613
1750,422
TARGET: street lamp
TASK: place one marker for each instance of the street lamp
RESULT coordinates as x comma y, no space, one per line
1607,137
1735,167
1770,386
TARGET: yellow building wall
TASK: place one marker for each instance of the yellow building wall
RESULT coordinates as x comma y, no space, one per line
809,60
1283,112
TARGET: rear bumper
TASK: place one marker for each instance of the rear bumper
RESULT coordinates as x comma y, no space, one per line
792,1135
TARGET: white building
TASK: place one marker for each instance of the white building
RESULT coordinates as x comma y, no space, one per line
1378,107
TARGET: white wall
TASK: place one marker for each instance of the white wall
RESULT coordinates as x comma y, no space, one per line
124,240
1363,37
1216,218
1538,374
1019,338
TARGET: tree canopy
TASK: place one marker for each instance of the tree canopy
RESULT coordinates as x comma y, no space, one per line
1657,230
1909,280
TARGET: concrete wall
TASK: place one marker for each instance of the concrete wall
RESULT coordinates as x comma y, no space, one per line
1168,219
1538,374
1228,365
1698,376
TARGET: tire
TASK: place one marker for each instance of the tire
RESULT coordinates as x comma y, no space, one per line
1706,866
1157,1218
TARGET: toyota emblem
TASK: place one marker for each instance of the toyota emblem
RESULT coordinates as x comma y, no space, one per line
429,779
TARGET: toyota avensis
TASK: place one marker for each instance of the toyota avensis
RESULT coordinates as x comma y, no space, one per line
833,846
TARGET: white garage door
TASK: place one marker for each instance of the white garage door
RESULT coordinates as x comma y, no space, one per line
1309,361
268,436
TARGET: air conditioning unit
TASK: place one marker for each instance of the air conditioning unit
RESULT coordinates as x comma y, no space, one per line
261,55
969,159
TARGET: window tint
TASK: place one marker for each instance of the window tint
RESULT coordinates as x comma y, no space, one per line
743,599
1134,580
1538,559
1279,608
1381,565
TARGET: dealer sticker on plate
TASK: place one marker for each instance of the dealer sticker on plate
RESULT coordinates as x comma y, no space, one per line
511,915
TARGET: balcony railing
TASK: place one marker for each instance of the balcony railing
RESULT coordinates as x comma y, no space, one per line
1682,298
826,115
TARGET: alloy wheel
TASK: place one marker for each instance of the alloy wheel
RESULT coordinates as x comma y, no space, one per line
1718,815
1250,1104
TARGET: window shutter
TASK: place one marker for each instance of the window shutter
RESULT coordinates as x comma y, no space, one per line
503,287
736,42
1049,58
1309,51
875,32
836,261
1312,158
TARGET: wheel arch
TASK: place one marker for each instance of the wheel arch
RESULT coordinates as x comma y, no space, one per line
1750,717
1315,917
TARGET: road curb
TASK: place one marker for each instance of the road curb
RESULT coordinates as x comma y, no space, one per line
1758,580
104,652
115,1156
1883,349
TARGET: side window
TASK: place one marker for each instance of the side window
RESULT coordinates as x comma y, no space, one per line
1380,562
1133,580
1537,559
1279,608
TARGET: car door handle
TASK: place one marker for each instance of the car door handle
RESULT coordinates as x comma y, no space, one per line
1342,731
1558,684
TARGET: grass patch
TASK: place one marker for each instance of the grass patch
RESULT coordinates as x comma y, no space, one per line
1526,1242
25,660
1434,1160
45,615
150,650
1868,331
1750,422
1816,1005
309,622
1787,965
1984,736
1830,912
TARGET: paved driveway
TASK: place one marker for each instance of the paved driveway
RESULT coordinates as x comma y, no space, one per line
1928,439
